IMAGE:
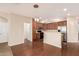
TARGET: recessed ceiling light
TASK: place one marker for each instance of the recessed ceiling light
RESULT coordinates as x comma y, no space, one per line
65,9
36,19
68,14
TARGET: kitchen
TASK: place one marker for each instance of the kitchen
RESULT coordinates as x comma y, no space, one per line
53,33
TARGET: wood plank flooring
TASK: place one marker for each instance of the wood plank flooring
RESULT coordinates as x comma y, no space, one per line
38,48
5,50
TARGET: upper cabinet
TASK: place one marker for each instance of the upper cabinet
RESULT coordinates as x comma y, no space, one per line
62,23
54,26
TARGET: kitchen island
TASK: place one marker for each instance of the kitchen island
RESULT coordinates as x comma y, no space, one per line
53,37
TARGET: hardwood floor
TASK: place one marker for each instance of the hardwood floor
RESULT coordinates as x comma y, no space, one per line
72,49
38,48
35,49
5,50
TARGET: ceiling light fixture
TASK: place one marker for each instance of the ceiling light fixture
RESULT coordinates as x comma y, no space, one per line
65,9
36,19
35,5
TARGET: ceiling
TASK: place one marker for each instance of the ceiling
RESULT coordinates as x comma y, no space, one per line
47,11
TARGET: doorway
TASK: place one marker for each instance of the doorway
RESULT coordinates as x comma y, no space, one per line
3,30
28,31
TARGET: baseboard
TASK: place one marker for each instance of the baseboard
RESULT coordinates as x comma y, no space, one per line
4,43
14,44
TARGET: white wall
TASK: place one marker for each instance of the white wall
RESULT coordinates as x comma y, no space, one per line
16,29
72,31
52,37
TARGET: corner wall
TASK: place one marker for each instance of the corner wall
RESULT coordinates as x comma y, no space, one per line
16,29
72,32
